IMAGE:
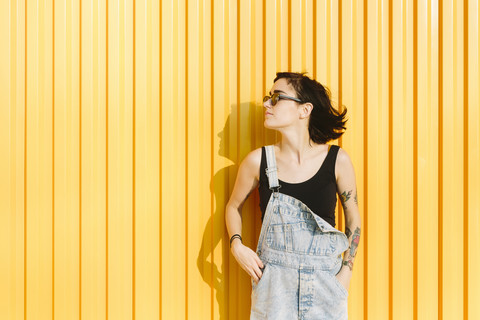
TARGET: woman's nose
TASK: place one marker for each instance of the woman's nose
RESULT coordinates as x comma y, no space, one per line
267,104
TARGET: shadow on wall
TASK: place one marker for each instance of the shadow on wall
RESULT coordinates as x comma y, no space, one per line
230,292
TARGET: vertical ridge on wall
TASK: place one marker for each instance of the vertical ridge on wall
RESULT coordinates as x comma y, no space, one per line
473,82
235,149
53,161
390,156
160,158
365,154
186,156
314,41
107,105
133,157
212,156
440,161
289,36
25,173
415,161
80,161
303,36
365,223
465,160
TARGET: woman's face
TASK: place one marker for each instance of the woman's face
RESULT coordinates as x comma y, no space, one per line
285,112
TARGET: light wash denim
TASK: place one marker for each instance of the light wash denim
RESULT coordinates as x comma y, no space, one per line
301,253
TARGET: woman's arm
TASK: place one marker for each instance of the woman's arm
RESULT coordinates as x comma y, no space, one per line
347,190
245,183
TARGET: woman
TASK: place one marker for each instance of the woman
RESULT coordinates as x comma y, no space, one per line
298,270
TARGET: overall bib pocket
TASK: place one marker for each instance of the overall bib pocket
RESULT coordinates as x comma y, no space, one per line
301,237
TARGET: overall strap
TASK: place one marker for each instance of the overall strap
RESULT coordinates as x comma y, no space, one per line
271,169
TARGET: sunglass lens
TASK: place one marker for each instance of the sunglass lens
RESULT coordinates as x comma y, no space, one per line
275,98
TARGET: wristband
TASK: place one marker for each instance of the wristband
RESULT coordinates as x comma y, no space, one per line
236,235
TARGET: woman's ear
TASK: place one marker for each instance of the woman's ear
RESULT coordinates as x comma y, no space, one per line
306,110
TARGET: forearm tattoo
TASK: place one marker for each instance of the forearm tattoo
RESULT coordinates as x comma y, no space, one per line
345,196
350,254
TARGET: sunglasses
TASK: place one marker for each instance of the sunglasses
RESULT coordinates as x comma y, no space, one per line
277,96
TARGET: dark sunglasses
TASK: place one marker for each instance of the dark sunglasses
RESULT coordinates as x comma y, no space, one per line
277,96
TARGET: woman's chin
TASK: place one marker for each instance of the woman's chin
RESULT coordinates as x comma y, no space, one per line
267,126
267,123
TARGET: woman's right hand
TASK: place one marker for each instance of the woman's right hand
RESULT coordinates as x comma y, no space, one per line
248,260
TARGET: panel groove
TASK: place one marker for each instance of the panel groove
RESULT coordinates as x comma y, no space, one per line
440,160
365,159
465,163
415,161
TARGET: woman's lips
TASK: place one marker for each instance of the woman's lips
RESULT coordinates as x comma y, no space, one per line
267,113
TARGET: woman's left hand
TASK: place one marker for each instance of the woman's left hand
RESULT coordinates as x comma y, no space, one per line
344,277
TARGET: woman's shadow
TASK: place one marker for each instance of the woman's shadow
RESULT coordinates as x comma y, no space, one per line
230,282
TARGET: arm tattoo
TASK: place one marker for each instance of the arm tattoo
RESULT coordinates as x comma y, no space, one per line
353,247
345,197
348,232
355,241
355,198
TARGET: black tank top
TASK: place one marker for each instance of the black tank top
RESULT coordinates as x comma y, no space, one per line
319,192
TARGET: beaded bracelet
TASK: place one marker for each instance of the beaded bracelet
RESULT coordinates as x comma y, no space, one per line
236,235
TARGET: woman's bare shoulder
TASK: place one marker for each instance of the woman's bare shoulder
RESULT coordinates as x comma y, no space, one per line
343,158
252,162
343,162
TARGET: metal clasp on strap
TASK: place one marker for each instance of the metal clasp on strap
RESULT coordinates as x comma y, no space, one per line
275,192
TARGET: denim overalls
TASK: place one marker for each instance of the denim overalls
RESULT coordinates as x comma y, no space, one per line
301,254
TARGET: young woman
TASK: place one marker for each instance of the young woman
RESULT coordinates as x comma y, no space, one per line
297,271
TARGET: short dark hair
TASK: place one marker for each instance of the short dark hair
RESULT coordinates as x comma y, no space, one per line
326,123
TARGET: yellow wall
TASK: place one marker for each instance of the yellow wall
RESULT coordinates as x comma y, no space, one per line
123,122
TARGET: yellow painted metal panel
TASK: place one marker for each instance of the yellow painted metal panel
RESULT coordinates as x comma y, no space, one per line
378,162
473,158
147,157
451,169
124,122
352,88
296,20
307,36
11,162
120,161
174,260
401,168
38,189
427,162
94,153
66,164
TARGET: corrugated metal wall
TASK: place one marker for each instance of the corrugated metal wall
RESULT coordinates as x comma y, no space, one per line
123,122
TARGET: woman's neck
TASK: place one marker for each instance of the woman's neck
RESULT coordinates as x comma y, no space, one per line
296,147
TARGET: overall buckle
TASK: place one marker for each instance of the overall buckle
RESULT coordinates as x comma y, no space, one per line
275,192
